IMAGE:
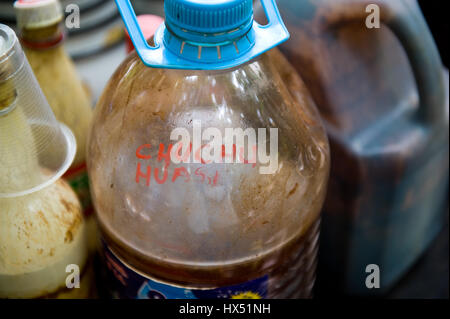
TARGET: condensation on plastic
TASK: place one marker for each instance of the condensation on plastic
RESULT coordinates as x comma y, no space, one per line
35,150
197,235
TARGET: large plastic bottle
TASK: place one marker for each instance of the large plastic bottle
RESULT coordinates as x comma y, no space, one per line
42,37
43,244
188,205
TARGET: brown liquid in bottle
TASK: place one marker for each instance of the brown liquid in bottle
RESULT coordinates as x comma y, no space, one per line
248,226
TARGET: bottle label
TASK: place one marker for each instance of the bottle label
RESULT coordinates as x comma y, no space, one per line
127,283
43,45
77,177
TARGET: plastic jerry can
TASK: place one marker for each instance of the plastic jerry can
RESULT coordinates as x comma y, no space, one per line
382,95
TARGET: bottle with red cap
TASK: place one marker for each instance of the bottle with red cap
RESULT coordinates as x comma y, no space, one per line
42,36
43,243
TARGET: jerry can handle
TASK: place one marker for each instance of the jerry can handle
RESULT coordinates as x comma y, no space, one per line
266,37
413,33
409,26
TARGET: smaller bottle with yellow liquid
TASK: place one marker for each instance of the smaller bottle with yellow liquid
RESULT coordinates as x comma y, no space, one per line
43,240
42,37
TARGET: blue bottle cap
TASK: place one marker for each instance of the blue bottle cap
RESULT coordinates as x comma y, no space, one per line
206,34
191,17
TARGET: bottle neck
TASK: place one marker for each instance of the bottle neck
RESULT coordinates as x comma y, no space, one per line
42,38
8,96
18,156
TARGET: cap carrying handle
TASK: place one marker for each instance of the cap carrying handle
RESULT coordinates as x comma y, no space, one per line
159,56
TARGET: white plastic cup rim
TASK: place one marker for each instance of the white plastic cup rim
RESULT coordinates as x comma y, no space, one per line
71,150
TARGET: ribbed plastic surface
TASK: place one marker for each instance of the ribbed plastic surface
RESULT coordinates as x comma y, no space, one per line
37,13
32,142
208,16
206,34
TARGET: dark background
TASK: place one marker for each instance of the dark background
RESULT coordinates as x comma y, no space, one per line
437,17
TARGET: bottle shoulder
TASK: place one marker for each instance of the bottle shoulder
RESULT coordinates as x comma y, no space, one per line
64,91
39,229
